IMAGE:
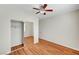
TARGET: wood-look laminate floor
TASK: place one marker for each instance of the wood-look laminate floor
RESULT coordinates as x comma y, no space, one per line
42,48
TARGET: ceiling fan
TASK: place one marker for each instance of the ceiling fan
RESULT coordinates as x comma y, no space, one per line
42,9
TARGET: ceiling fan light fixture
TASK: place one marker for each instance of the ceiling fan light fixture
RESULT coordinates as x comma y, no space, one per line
42,11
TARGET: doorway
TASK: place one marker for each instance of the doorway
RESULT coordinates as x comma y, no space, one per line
23,33
28,33
16,34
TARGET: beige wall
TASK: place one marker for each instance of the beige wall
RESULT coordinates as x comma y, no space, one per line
62,29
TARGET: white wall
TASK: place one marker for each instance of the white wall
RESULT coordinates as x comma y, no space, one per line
4,35
8,12
36,31
62,29
28,29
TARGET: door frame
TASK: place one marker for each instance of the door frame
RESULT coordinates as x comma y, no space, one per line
22,28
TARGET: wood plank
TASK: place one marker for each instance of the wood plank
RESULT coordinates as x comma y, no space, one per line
16,47
43,48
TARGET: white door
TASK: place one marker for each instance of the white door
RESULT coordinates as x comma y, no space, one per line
16,33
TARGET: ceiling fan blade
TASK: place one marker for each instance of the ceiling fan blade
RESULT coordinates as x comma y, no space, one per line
37,12
45,5
49,10
36,8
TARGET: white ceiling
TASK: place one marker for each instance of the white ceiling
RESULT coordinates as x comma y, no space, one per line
58,9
